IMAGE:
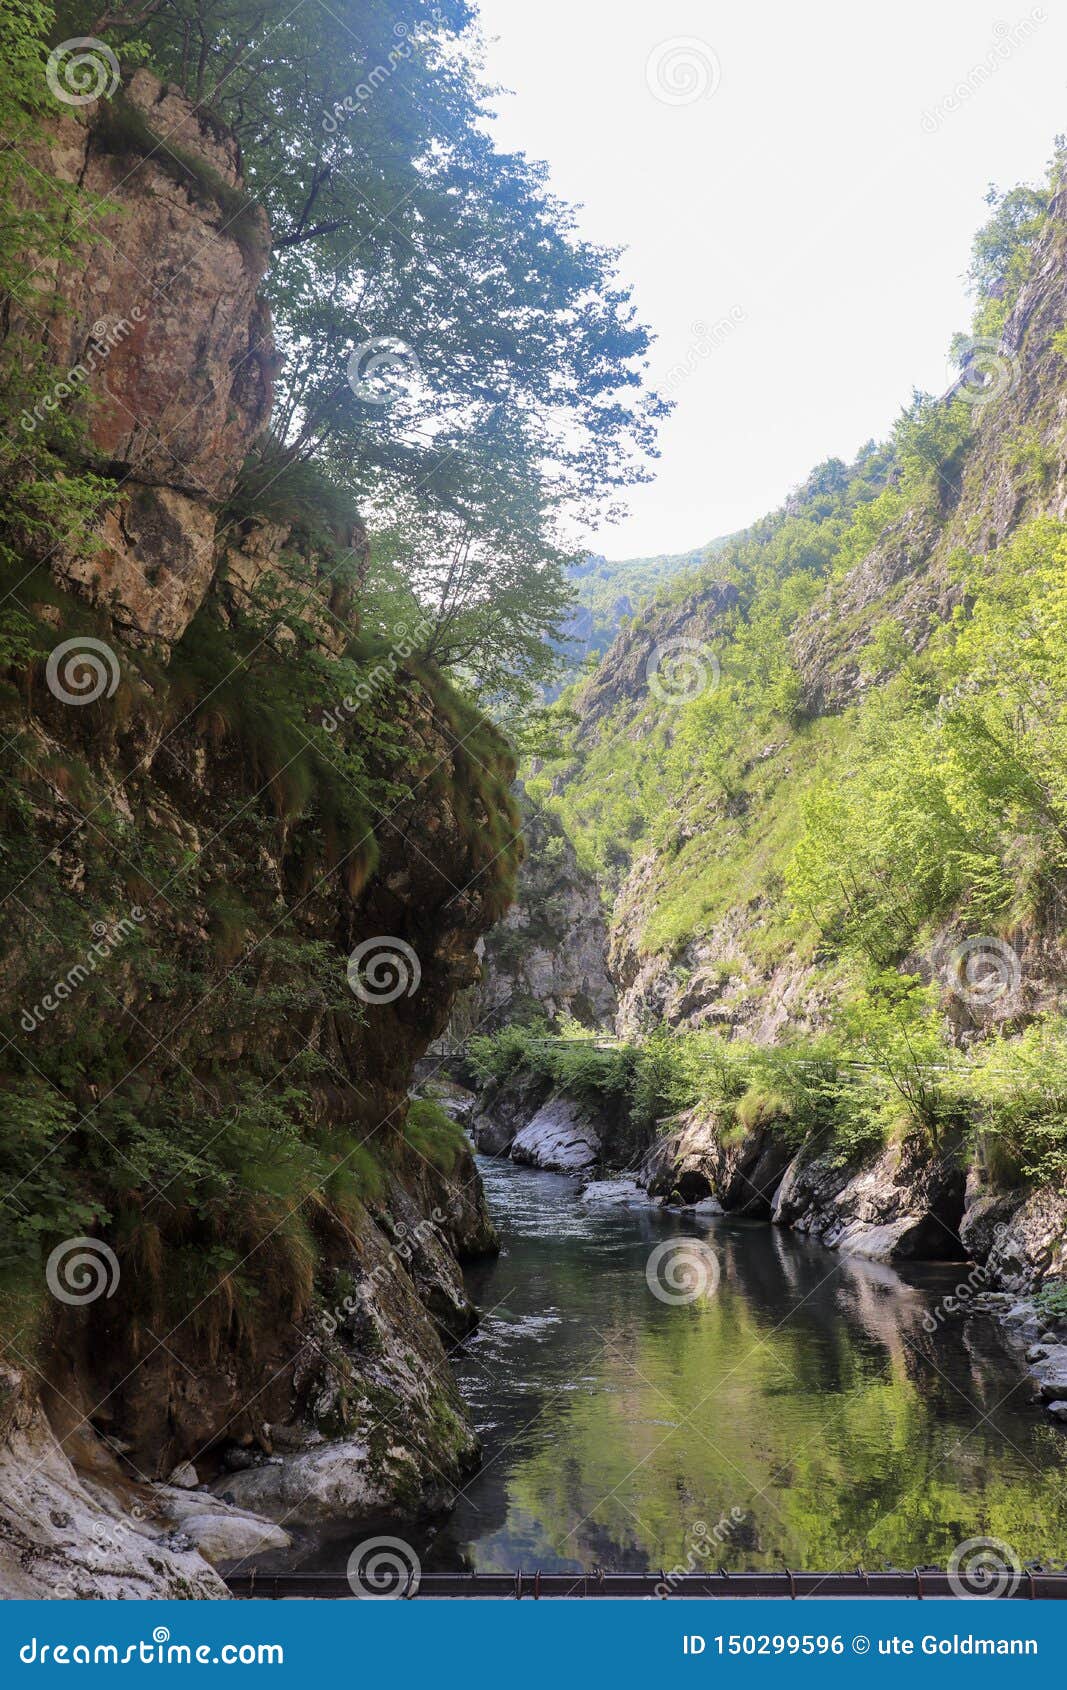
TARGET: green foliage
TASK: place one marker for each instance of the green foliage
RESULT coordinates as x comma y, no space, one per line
499,1056
800,1089
275,487
499,375
613,593
886,651
434,1135
930,441
487,613
887,1071
1051,1300
47,494
1035,461
358,1177
1002,249
1019,1092
40,1199
576,1064
200,1144
891,1027
954,796
268,699
626,791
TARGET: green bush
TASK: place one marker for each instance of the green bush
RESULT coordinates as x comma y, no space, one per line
434,1135
886,1071
1051,1300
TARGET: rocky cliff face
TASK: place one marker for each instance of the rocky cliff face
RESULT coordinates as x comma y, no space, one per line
161,324
620,684
200,851
547,958
88,1533
1015,469
730,962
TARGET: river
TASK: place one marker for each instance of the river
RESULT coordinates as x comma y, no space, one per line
803,1413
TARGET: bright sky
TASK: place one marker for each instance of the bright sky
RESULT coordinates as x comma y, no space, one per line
818,196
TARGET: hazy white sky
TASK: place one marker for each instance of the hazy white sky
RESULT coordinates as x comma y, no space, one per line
818,195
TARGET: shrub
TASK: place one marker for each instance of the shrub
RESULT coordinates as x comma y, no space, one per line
433,1134
1051,1300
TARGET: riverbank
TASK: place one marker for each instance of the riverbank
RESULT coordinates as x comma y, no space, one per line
804,1413
374,1423
902,1201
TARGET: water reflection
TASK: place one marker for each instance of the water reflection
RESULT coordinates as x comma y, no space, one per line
803,1414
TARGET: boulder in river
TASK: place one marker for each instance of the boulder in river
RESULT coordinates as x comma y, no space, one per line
561,1136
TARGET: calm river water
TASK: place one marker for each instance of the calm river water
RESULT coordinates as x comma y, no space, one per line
802,1415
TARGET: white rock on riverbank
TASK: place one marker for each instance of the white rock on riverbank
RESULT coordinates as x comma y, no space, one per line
65,1534
220,1531
332,1482
560,1137
623,1192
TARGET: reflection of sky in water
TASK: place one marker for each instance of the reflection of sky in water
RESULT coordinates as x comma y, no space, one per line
800,1415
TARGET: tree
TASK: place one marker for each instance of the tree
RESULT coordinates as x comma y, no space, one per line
454,351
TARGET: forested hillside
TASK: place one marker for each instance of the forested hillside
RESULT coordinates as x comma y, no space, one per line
608,593
822,785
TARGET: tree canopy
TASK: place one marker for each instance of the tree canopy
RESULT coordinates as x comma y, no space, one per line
454,352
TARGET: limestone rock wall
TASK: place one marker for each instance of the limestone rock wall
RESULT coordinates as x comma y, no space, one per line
159,320
548,957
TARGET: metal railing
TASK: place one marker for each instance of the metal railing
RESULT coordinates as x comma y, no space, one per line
919,1584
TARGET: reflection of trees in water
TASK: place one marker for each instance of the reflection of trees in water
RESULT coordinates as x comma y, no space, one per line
803,1414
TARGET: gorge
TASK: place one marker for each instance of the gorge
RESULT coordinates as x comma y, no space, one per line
621,1127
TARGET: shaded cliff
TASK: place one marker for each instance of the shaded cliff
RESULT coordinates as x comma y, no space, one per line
547,957
250,851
